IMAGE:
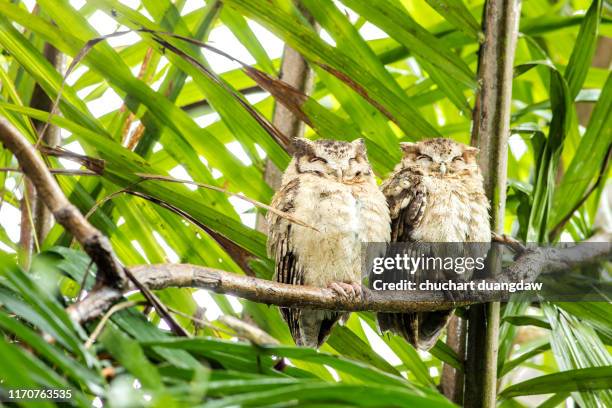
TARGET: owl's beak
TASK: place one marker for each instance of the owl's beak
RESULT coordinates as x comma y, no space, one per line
443,168
338,174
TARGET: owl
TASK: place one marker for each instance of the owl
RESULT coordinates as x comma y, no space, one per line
329,185
435,194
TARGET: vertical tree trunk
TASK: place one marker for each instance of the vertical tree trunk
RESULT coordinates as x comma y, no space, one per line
36,219
296,72
490,132
451,382
26,232
40,100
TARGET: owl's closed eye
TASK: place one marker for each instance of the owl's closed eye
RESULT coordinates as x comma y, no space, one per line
339,161
440,157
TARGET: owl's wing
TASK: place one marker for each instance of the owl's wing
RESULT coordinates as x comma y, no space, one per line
407,198
287,269
280,236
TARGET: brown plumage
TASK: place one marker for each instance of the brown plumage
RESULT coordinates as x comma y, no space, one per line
435,194
329,185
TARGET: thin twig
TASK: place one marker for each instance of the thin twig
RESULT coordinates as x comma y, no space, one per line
160,308
100,202
514,244
84,280
202,322
241,328
231,194
63,172
94,164
248,331
119,306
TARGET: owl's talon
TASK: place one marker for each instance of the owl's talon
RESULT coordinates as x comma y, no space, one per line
357,288
366,294
350,291
339,290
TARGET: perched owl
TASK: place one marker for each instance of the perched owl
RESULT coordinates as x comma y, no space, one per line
329,185
435,194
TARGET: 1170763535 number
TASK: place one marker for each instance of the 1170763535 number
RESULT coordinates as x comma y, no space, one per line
8,395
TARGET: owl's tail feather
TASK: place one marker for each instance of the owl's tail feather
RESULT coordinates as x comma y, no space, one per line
419,329
310,328
431,325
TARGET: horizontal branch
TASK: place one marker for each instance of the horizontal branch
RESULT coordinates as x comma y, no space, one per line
528,266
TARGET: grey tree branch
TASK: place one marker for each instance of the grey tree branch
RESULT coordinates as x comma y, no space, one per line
93,241
528,266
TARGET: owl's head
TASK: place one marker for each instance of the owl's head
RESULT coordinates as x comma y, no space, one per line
440,157
344,162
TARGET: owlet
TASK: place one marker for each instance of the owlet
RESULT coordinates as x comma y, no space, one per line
435,195
328,185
